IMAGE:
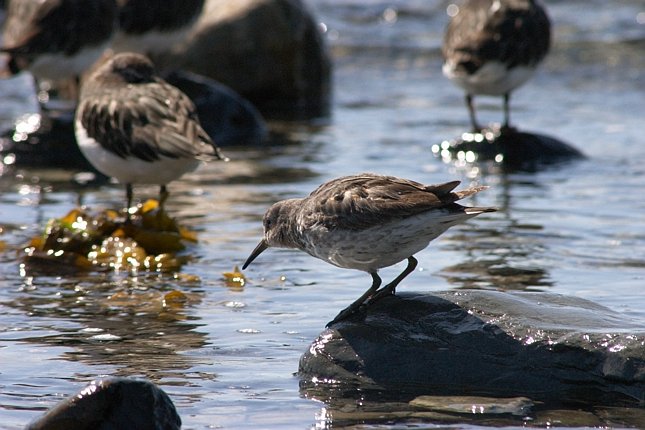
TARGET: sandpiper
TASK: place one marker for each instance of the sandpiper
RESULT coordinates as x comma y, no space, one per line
492,47
154,26
57,39
133,126
366,222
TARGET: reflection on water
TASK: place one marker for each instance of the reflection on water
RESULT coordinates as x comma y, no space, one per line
505,254
124,323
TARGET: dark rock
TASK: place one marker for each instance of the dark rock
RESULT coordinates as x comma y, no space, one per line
547,347
510,148
112,404
47,139
269,51
227,118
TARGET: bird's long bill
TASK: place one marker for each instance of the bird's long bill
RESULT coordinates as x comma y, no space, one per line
257,251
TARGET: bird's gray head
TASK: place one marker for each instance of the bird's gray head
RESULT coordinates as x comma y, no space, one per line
131,68
278,225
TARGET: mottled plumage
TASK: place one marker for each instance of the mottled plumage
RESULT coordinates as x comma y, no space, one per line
132,125
154,26
492,47
366,222
57,39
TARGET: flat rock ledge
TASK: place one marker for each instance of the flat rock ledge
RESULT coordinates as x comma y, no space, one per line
547,347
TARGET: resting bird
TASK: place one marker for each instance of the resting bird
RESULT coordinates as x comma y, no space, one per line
132,125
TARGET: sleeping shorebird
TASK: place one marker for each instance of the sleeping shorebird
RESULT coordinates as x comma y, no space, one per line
133,126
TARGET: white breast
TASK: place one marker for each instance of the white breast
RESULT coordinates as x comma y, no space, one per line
492,79
59,66
131,169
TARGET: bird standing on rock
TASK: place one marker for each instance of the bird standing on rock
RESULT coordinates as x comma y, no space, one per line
133,126
492,47
366,222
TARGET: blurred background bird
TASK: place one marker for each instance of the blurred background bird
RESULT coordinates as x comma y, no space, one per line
491,47
56,40
132,125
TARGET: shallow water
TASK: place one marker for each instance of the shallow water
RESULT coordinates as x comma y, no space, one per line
227,357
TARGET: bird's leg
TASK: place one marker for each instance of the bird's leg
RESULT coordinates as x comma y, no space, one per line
471,112
390,288
349,310
128,198
163,196
507,111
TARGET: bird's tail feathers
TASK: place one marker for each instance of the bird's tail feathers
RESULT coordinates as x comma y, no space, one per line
214,156
479,210
470,191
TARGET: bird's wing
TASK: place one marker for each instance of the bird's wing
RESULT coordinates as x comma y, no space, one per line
146,121
365,200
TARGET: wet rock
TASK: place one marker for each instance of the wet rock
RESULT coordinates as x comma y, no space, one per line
43,140
111,404
510,148
47,139
227,118
547,347
270,51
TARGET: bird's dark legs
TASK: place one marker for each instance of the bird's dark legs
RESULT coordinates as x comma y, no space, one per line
374,294
128,198
507,111
163,196
376,282
391,287
471,112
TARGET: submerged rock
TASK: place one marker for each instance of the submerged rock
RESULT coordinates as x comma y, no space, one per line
112,403
270,51
510,148
547,347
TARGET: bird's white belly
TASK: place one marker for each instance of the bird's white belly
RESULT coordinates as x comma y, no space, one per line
59,66
132,170
377,247
492,79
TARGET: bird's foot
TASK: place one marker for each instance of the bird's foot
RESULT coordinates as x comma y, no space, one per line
360,307
344,314
507,129
383,292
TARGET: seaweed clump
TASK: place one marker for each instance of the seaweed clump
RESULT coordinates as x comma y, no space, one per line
81,240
